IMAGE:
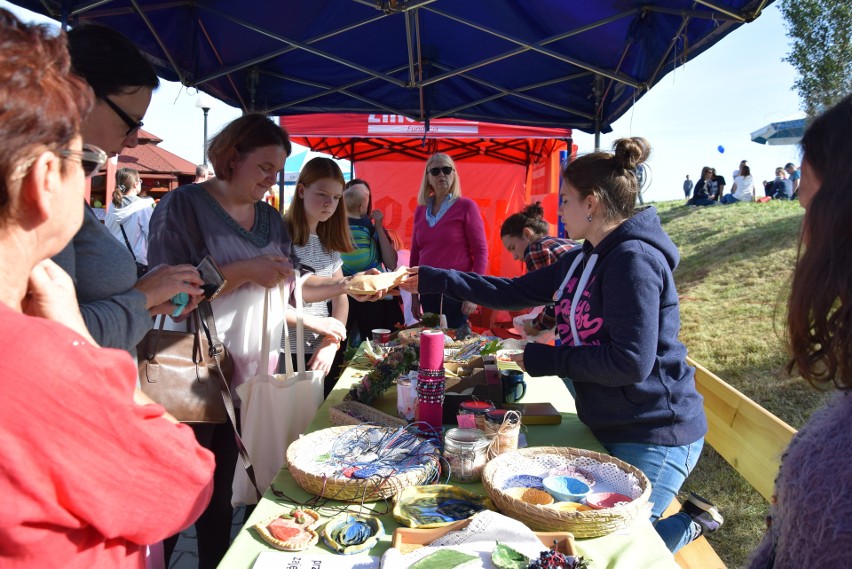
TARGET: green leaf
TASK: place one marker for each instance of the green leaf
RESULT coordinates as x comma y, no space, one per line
444,559
491,347
505,557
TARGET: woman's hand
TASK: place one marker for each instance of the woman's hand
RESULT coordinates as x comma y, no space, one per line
411,280
327,326
416,309
468,308
161,283
378,217
268,271
323,357
51,295
519,360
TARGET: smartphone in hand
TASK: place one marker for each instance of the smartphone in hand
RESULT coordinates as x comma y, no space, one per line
211,276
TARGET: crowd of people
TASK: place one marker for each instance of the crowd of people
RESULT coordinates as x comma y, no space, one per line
710,188
97,472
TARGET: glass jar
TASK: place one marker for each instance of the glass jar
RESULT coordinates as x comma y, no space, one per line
502,427
478,409
465,450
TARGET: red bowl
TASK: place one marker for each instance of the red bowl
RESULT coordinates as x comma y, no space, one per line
602,500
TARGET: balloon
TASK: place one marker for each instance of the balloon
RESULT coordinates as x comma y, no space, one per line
721,149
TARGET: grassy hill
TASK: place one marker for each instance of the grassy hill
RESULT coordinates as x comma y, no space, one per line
733,280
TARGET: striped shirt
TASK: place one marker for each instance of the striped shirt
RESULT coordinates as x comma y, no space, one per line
324,263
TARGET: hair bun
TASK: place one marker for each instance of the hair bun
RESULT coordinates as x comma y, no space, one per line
534,211
630,152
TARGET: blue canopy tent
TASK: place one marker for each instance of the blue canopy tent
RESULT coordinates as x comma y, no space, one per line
780,133
579,64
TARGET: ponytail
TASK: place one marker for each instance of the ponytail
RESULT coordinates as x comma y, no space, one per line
125,178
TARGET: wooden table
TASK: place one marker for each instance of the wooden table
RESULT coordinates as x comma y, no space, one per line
637,546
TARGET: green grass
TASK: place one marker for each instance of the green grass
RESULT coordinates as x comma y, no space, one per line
733,279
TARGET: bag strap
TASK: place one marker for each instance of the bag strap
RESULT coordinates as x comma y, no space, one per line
127,241
298,281
217,349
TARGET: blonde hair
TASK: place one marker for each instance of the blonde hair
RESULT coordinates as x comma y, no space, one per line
426,190
334,233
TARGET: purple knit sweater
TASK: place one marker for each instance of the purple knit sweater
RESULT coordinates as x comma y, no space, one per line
812,516
456,242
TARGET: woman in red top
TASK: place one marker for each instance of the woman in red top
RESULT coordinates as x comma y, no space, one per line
448,234
90,469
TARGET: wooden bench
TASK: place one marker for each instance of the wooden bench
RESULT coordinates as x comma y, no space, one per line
748,437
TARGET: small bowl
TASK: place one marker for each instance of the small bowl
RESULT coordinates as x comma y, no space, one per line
603,500
530,496
569,507
523,481
577,472
566,488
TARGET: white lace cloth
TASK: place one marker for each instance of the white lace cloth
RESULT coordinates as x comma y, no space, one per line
479,538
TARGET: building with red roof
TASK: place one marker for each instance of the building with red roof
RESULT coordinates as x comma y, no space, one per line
159,169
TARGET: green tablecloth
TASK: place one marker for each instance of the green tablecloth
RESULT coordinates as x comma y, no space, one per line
637,546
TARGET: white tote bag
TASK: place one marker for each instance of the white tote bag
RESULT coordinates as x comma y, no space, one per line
276,409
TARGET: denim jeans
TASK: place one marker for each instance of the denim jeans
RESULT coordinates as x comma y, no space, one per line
666,468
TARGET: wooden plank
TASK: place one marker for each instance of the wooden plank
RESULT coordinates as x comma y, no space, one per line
745,434
696,555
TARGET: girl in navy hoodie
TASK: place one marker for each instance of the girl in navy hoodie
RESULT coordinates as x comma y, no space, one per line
617,317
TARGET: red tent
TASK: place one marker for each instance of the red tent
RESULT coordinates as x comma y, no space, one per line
501,167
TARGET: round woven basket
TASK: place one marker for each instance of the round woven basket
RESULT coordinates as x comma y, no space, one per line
587,523
356,413
308,457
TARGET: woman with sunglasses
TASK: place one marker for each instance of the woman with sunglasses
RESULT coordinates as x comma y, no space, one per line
116,307
448,234
90,470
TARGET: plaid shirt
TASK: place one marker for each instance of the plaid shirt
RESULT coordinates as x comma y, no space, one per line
542,253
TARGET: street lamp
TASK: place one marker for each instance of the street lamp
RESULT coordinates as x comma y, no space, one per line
204,102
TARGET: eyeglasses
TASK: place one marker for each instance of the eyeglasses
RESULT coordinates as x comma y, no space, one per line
445,170
132,125
91,158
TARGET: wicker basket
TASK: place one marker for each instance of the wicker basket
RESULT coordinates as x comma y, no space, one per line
312,469
355,413
587,523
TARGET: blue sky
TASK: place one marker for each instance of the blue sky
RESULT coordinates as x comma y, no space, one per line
717,99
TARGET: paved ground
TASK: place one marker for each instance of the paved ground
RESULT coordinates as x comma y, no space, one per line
185,555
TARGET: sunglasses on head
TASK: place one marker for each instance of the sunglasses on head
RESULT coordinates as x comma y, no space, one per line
91,158
445,170
132,125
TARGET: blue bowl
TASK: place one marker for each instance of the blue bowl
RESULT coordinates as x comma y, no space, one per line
566,488
523,481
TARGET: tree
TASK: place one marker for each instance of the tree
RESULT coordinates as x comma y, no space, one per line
821,52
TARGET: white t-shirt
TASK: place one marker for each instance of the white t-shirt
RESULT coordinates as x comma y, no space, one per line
745,188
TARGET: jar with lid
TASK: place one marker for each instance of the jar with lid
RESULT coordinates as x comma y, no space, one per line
465,450
478,409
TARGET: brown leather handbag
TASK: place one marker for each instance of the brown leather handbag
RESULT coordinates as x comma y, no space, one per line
188,373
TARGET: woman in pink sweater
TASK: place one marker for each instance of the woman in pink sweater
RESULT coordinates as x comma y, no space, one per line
448,234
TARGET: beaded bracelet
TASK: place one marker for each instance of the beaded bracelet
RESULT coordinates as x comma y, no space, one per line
431,372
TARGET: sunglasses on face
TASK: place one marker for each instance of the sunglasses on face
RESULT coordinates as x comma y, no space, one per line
132,125
91,158
445,170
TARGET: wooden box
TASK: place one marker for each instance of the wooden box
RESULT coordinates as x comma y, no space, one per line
407,540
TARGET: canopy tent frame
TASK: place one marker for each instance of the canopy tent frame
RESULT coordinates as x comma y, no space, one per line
576,91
